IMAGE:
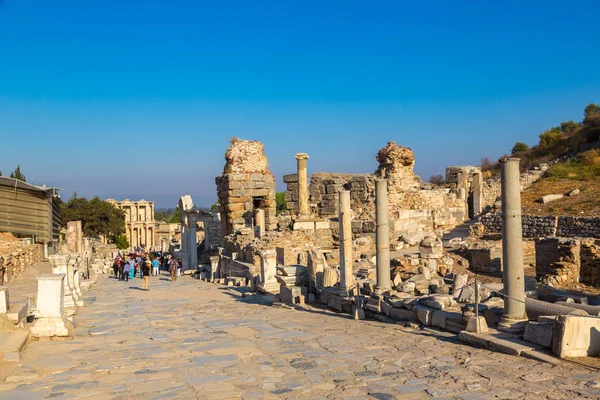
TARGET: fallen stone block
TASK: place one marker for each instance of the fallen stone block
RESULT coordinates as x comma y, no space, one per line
289,294
549,197
576,336
539,333
402,314
424,314
440,318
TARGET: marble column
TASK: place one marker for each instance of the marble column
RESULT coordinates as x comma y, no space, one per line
193,244
259,222
303,209
382,236
514,318
346,258
51,320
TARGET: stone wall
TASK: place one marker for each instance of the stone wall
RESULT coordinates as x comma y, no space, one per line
246,184
557,260
18,257
535,226
590,261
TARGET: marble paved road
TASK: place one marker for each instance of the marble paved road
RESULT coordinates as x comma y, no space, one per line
191,339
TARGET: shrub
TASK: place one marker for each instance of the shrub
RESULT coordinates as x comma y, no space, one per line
550,137
519,146
437,179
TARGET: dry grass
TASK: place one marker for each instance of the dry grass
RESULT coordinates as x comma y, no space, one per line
585,204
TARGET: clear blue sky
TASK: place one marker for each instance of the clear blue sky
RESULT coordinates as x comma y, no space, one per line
139,98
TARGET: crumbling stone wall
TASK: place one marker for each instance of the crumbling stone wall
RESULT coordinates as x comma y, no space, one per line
246,184
590,261
413,208
17,256
557,260
547,225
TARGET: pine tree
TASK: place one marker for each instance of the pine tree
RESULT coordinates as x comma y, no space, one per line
16,174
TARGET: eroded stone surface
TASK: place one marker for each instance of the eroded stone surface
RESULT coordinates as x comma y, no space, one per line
192,339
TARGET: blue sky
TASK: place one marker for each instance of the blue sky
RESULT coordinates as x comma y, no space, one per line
139,98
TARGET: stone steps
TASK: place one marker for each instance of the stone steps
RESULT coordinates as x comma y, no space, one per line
12,344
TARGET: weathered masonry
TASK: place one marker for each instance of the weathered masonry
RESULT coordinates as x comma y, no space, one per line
29,211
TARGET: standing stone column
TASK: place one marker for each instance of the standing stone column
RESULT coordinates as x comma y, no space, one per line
346,258
193,243
303,208
382,236
51,319
514,318
259,222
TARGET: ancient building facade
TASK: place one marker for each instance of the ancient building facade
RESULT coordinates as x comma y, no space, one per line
165,234
140,226
246,189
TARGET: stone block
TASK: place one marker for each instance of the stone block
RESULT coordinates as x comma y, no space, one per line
386,308
290,178
289,294
304,225
424,314
576,336
402,314
17,312
539,333
4,300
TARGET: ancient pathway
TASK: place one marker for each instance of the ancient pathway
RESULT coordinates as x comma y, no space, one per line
192,339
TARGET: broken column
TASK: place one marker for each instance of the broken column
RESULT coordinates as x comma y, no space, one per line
303,208
346,258
382,237
60,265
259,222
514,318
51,319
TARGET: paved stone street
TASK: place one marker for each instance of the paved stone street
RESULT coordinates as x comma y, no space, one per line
192,339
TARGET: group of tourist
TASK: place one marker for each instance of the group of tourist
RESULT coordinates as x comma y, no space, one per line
144,265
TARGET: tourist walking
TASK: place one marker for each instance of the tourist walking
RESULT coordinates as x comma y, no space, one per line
126,271
179,266
155,264
173,265
132,269
146,274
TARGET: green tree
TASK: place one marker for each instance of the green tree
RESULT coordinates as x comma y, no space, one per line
519,146
162,216
550,137
176,217
213,208
16,174
281,203
591,111
437,179
98,217
569,127
122,242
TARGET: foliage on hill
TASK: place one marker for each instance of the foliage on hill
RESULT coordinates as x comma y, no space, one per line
98,217
568,139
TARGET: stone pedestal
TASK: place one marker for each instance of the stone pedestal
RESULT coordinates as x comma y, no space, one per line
60,265
4,302
268,270
77,288
514,319
259,223
303,208
51,319
213,268
346,257
382,236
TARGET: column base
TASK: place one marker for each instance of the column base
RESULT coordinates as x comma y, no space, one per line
477,324
511,325
52,326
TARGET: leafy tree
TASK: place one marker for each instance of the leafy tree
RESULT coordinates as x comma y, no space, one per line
569,127
519,146
175,218
280,200
16,174
122,242
213,208
590,112
550,137
162,216
98,217
437,179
